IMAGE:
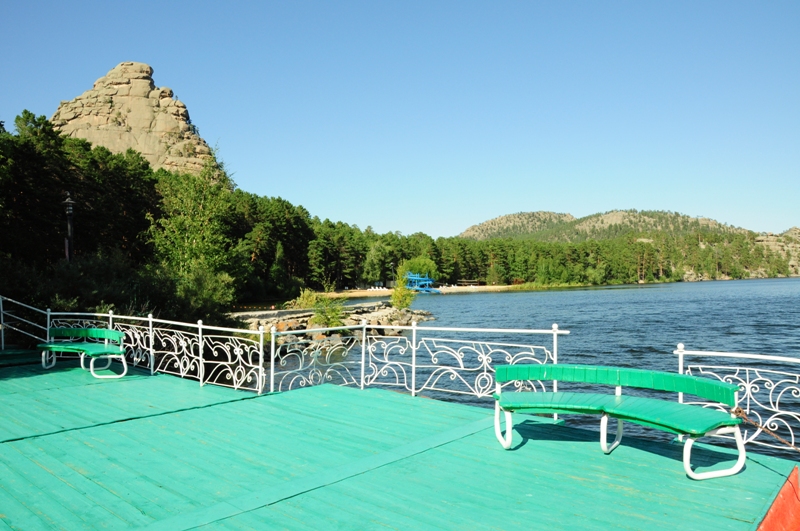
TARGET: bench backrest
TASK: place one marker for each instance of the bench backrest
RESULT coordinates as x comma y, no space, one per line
87,333
722,392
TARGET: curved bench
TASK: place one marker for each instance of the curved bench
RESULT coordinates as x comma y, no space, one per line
682,419
111,348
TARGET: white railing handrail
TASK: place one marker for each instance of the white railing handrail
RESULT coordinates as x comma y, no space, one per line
212,347
329,329
81,314
553,330
761,357
495,343
37,325
155,321
22,304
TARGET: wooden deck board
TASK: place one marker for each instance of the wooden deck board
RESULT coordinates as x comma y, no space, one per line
165,453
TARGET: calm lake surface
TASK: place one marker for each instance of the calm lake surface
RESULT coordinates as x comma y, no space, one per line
640,326
636,326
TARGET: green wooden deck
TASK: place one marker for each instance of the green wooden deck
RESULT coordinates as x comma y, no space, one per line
18,356
162,453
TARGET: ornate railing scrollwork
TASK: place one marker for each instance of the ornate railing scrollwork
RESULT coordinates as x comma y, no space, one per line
769,397
388,362
177,352
136,343
467,367
307,362
231,361
78,322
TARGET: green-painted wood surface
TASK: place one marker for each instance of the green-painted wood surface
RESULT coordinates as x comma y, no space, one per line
722,392
80,453
15,356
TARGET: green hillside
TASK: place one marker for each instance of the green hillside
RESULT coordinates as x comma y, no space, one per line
551,227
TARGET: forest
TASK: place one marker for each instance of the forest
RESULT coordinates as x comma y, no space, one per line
187,246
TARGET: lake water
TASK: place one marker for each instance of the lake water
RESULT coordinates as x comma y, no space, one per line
640,326
637,326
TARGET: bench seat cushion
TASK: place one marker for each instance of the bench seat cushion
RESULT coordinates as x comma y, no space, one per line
90,349
671,416
668,416
562,402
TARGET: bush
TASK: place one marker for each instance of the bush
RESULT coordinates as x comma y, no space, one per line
328,311
307,299
402,297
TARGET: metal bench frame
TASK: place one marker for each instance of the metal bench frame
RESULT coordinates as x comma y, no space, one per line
107,350
722,392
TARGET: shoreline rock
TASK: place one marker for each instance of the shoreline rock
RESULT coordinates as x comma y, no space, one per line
375,314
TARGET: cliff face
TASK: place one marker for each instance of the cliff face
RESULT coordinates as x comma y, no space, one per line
786,245
125,110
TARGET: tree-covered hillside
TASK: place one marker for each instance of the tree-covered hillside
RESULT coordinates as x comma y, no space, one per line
189,246
550,227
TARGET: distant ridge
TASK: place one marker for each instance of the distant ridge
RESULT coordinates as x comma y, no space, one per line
552,227
516,225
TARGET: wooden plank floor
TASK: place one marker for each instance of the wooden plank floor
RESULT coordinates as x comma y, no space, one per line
162,453
11,356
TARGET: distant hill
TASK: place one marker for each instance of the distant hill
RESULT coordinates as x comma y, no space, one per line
552,227
517,225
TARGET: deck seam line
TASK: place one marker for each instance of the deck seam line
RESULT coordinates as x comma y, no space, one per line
117,421
278,493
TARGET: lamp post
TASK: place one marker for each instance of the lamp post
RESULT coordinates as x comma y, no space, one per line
68,203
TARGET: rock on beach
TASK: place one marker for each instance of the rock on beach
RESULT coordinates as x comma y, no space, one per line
375,314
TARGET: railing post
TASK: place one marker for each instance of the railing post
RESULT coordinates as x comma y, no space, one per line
363,349
272,360
152,344
2,326
110,320
680,371
555,361
48,325
200,368
260,359
555,353
680,368
413,358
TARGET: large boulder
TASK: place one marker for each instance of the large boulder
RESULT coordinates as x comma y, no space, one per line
125,110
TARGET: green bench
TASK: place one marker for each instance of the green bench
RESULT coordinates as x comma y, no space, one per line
97,343
685,420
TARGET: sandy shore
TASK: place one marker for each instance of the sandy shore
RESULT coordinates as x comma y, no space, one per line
358,293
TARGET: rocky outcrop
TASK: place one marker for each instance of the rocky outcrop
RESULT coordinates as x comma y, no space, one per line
787,245
125,110
379,313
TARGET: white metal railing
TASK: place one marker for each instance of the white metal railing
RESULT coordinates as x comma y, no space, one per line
415,359
769,393
11,319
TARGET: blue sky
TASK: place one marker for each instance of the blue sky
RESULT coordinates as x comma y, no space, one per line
433,116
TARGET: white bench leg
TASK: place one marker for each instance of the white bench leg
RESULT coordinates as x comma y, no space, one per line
505,441
91,366
106,366
604,434
48,359
687,456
